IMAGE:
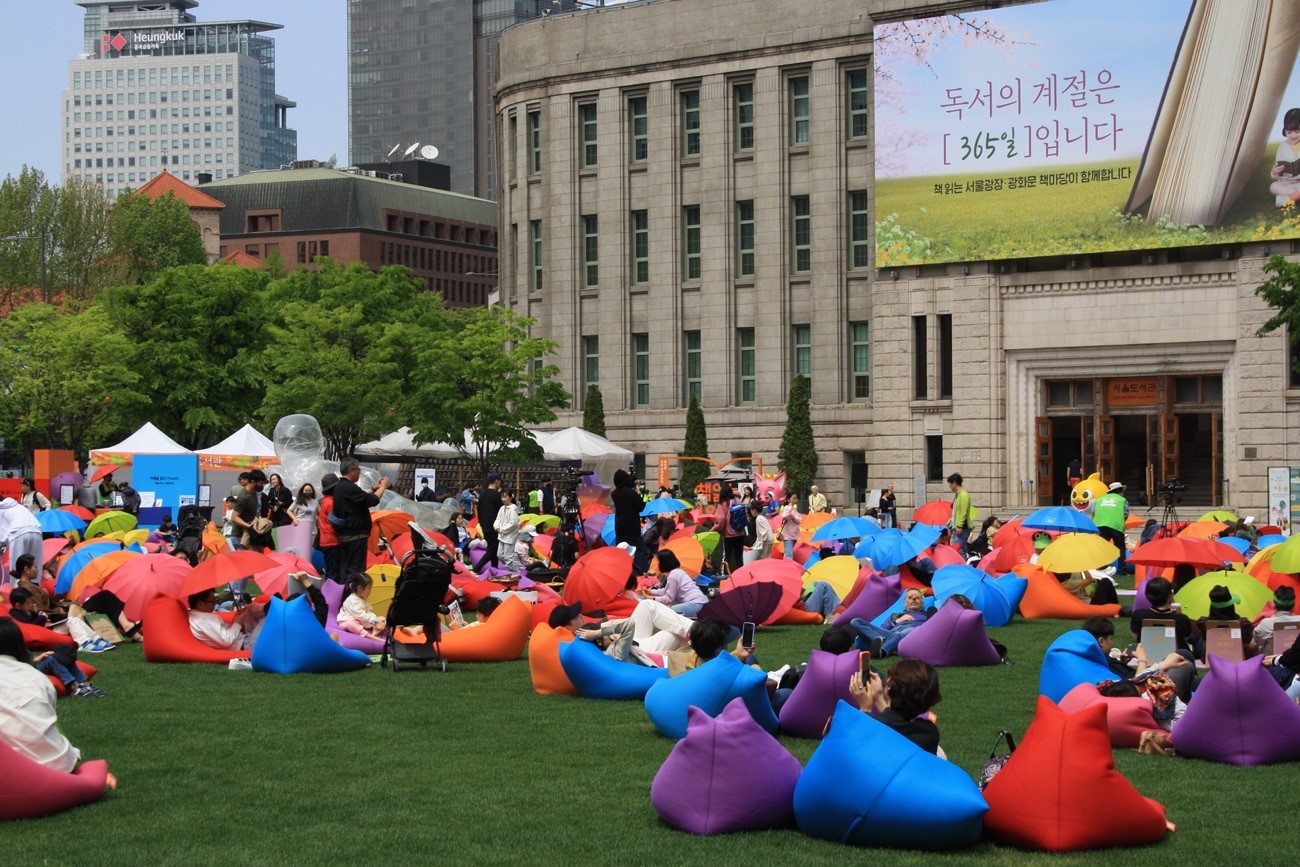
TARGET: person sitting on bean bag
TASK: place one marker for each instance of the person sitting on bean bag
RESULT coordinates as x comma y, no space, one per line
27,718
614,637
883,641
1166,707
903,700
1176,666
210,629
357,615
482,612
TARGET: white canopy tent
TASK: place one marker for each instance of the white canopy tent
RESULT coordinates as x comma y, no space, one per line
399,443
148,440
594,452
221,464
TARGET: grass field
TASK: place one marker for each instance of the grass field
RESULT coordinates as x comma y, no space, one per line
226,767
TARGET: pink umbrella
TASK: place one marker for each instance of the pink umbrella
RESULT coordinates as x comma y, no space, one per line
142,578
276,580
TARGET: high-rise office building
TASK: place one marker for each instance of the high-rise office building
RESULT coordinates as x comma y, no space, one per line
420,71
154,89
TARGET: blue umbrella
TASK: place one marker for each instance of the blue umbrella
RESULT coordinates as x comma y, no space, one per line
59,521
997,598
1269,541
78,560
893,547
1236,542
845,528
607,531
1060,519
663,506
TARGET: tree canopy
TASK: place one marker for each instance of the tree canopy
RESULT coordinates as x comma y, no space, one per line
147,237
593,411
797,455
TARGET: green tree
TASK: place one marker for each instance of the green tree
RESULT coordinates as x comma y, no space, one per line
797,456
483,383
148,237
697,446
52,239
67,380
343,345
200,332
1281,291
593,412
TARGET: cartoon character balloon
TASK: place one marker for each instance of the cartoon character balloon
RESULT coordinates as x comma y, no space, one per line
300,449
1085,494
775,484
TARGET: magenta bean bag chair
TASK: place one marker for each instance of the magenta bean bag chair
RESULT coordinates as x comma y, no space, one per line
1073,658
709,687
953,636
878,594
1239,716
824,684
727,774
1126,717
31,789
333,593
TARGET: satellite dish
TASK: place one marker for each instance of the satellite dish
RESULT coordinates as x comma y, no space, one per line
429,152
393,151
332,161
410,150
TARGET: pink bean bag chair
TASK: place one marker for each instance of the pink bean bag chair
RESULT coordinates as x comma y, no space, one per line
1126,717
953,636
31,789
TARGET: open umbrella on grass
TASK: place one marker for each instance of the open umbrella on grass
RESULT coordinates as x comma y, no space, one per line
749,603
996,597
597,578
1077,552
1202,553
1060,519
142,578
77,560
97,571
59,521
936,513
840,572
782,573
844,527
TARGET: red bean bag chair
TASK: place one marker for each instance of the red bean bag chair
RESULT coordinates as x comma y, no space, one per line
1045,597
88,670
1060,792
501,639
542,612
38,638
797,617
167,636
1126,717
473,592
32,790
544,661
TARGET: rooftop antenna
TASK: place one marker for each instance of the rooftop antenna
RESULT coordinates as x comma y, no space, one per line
407,153
332,161
429,152
393,151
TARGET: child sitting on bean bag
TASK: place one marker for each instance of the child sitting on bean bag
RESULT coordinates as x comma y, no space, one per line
357,615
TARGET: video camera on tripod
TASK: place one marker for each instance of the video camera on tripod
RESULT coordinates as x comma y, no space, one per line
1170,489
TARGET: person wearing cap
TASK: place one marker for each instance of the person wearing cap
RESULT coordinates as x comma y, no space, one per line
524,547
1109,514
1223,608
1283,612
326,539
614,637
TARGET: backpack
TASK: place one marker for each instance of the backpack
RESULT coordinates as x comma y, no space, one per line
737,520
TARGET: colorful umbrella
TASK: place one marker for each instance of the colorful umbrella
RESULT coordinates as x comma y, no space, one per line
223,568
1261,567
1060,519
840,572
709,540
750,603
593,527
59,521
1203,529
1195,595
136,537
141,579
540,521
94,573
80,511
1004,558
1077,552
277,580
100,472
1286,556
387,523
597,578
996,597
215,543
893,547
783,573
77,561
664,506
1221,515
591,510
845,527
1171,551
936,512
690,553
1009,530
383,589
811,523
1269,541
110,522
50,548
77,480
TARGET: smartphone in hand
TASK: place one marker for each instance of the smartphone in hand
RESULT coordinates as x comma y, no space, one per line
864,665
747,635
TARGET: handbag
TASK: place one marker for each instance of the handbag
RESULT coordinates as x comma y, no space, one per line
995,761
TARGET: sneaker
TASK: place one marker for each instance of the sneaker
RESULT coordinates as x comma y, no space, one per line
92,646
104,645
877,644
87,689
95,692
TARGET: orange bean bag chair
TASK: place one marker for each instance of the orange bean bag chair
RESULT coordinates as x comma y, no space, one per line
88,670
1045,597
544,661
501,639
1060,792
167,636
32,790
797,617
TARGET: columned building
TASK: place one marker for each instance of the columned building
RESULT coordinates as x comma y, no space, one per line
701,220
154,89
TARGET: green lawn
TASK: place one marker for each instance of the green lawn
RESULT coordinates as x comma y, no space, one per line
226,767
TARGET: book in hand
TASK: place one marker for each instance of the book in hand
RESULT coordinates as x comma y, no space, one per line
455,618
1290,169
1221,104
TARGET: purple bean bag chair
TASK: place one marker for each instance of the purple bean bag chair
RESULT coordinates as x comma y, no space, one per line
867,785
709,687
333,593
878,594
824,684
292,641
726,774
953,636
1072,659
1239,716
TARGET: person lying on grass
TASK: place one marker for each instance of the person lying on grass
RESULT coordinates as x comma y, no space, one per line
903,700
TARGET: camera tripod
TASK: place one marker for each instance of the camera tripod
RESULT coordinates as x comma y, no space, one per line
1169,519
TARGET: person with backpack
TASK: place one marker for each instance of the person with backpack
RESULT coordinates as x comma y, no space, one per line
733,517
33,499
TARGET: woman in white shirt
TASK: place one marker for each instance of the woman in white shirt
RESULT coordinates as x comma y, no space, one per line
507,527
27,720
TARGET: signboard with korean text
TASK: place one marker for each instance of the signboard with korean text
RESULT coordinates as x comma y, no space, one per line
167,477
1134,391
1078,126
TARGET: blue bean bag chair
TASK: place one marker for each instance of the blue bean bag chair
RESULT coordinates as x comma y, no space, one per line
293,642
1240,717
867,785
726,775
596,675
1070,660
825,683
710,687
953,636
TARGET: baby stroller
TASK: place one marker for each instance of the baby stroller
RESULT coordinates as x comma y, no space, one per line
417,601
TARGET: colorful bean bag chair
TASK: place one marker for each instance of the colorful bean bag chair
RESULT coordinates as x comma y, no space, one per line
595,675
501,639
167,636
710,687
1045,597
1072,659
867,785
39,639
953,636
544,661
31,789
877,595
727,774
825,683
473,591
333,593
292,641
1126,717
541,613
798,617
88,670
1060,792
1240,717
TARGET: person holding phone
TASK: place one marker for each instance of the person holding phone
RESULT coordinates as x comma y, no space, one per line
902,700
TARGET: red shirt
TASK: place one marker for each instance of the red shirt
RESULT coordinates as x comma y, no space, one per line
326,530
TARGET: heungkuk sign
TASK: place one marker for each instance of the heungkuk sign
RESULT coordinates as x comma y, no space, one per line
141,41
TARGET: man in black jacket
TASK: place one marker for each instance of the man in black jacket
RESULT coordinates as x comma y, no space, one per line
489,503
351,517
627,519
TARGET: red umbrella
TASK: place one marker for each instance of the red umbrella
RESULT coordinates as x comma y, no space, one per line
597,578
1173,550
100,472
141,579
223,568
80,511
786,574
1008,531
277,580
1004,558
936,513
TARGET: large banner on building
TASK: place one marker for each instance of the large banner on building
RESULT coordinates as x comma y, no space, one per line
1079,126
